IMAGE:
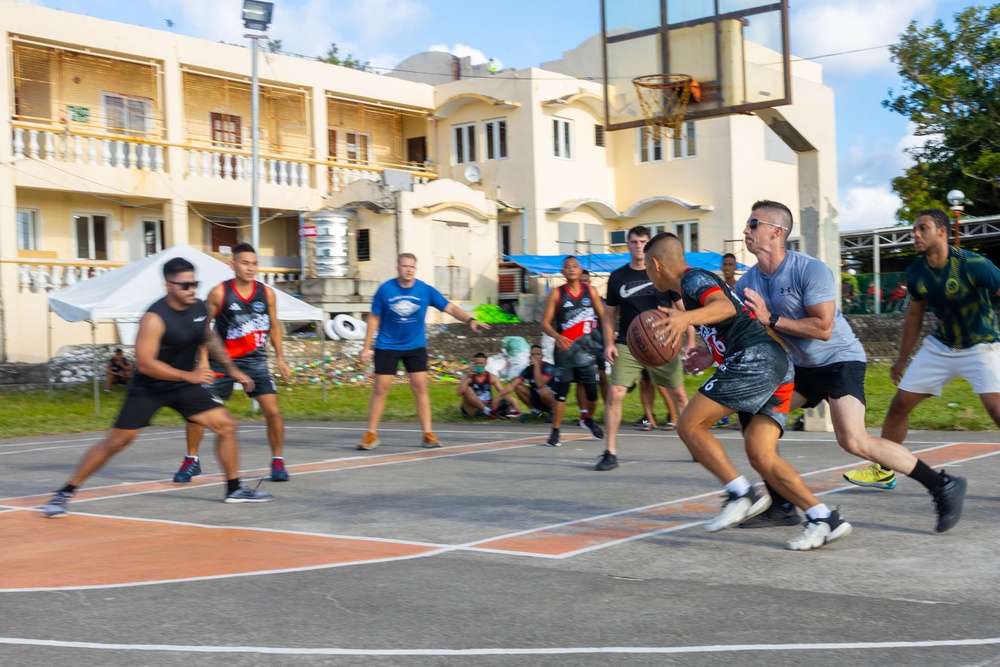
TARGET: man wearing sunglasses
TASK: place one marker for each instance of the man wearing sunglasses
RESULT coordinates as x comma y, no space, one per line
167,375
796,296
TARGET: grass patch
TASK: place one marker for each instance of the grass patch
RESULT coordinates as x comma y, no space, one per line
71,410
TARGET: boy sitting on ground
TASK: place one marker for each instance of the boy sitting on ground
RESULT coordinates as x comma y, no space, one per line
476,392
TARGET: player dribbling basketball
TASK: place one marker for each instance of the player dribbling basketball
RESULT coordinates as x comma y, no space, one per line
755,378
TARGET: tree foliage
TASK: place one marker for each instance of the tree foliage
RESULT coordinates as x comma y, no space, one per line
332,57
951,92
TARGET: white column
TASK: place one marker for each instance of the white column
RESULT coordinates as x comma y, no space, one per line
33,144
18,142
50,146
158,159
92,150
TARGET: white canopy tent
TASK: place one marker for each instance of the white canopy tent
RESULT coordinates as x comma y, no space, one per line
124,294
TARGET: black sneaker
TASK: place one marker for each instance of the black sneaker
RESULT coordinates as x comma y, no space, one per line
592,426
948,501
56,508
553,440
608,461
775,515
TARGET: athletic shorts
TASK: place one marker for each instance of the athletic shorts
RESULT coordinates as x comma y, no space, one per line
263,383
627,371
756,381
845,378
387,361
586,374
536,401
935,365
141,404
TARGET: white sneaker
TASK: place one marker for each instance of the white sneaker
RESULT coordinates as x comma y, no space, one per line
821,531
739,508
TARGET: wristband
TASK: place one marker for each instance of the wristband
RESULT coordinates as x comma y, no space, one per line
773,321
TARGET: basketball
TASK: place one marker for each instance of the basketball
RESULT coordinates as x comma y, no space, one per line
645,347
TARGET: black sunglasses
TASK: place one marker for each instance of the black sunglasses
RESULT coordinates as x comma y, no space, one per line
186,285
753,222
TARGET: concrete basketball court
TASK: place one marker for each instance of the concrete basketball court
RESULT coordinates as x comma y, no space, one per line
494,550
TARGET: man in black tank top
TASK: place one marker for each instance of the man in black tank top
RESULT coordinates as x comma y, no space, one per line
246,317
166,349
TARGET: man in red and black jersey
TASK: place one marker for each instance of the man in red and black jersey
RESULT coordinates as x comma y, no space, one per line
245,318
755,378
572,312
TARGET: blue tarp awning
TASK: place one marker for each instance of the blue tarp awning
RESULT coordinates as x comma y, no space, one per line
608,262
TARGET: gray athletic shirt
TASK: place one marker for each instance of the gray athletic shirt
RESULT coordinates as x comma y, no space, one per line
802,281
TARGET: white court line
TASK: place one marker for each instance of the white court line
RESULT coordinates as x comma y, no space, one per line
662,650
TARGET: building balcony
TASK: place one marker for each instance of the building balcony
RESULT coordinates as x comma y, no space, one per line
64,144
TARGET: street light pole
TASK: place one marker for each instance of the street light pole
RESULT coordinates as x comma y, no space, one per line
256,16
255,149
956,198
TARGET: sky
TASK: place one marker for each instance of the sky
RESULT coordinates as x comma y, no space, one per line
525,33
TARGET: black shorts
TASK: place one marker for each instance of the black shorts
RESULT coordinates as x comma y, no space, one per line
536,401
387,361
581,374
757,380
263,383
844,378
141,404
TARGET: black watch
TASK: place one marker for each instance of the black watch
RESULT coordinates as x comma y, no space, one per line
773,322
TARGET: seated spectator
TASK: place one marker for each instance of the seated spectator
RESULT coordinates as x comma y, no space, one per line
852,302
119,370
476,390
531,386
896,298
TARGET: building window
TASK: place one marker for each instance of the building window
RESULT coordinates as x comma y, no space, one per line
687,232
465,143
91,236
618,237
364,248
496,139
504,239
684,142
152,237
562,138
599,136
650,143
27,229
356,147
126,115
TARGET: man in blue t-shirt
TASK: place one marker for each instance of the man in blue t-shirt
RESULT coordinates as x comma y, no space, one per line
399,308
796,296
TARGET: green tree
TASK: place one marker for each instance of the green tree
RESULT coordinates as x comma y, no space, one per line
273,45
332,57
951,92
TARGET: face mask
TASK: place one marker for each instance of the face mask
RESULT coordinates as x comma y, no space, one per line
479,369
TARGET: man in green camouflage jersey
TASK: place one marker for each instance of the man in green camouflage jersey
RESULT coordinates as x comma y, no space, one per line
957,285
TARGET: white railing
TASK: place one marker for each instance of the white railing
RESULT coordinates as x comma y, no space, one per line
68,147
43,276
341,177
228,166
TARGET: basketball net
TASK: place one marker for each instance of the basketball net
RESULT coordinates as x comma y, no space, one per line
663,99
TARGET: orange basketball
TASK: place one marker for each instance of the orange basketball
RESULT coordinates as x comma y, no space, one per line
643,343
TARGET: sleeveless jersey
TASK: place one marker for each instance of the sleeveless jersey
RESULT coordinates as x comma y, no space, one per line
575,319
482,389
184,332
244,323
739,332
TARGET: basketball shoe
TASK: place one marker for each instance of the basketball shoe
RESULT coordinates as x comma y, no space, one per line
874,476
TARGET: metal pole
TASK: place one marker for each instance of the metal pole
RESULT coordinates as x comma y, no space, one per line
255,149
958,218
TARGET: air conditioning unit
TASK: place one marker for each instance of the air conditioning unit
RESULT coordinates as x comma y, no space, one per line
619,237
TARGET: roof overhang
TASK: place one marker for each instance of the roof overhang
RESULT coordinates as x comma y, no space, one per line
455,103
641,205
595,102
604,209
476,213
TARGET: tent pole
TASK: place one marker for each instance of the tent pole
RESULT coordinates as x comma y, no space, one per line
48,345
97,367
322,352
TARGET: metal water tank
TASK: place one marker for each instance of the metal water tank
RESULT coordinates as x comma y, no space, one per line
331,245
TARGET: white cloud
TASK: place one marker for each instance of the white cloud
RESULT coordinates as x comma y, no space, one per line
476,56
820,27
868,207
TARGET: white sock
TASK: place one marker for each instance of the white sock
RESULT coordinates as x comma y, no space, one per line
817,512
740,486
486,411
194,458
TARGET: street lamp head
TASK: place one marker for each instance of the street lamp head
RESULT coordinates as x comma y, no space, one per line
257,15
956,198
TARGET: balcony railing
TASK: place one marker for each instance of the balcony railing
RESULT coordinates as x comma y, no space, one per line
232,166
65,145
342,174
43,276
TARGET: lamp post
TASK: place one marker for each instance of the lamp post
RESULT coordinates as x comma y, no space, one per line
256,16
956,198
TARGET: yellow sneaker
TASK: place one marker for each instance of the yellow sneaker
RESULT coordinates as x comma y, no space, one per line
369,441
874,476
430,441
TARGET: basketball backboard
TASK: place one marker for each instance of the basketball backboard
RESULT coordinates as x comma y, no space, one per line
736,51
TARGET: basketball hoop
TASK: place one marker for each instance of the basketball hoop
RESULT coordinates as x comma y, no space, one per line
664,99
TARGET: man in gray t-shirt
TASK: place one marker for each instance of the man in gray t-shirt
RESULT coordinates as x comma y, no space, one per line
796,296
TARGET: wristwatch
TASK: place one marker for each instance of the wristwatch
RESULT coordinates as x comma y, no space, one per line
773,322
